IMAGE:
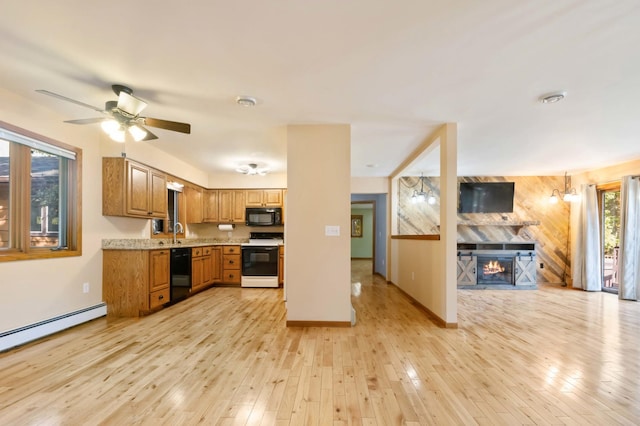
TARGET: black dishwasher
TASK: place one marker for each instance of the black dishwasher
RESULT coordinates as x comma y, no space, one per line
180,273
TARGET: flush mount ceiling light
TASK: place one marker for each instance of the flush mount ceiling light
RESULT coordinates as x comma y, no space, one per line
246,101
552,98
252,169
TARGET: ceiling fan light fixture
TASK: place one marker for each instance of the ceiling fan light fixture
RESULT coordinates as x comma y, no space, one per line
110,126
118,135
252,169
137,132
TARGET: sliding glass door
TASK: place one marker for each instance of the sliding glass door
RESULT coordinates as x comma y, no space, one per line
609,200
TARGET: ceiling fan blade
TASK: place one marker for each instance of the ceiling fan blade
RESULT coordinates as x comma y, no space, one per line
64,98
130,104
168,125
86,120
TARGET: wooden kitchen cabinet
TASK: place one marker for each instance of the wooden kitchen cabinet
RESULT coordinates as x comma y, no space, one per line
201,268
132,189
231,205
194,203
135,282
231,263
211,206
263,198
216,264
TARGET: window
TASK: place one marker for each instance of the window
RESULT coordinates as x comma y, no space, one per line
39,196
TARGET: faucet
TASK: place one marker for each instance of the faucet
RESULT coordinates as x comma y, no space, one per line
177,229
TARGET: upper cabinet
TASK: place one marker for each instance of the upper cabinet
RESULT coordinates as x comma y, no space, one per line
211,206
132,189
231,205
264,198
194,203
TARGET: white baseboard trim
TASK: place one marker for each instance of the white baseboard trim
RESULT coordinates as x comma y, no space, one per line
20,336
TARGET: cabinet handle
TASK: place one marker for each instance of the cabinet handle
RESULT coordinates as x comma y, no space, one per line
161,297
231,262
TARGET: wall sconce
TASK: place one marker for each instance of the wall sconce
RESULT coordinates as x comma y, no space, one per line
421,196
568,195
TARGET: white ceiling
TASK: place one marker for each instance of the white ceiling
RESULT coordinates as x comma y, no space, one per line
393,70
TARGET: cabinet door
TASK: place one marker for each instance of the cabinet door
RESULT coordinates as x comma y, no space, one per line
197,272
525,270
272,197
158,270
216,264
225,198
238,206
254,198
193,198
158,195
207,270
211,206
467,270
138,190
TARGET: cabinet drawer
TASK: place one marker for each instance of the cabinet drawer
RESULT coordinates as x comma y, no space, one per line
230,249
158,298
231,276
206,251
231,261
196,252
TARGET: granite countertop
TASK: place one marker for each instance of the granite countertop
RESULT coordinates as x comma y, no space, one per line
160,243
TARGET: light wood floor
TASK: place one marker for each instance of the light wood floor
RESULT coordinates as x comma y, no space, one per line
548,356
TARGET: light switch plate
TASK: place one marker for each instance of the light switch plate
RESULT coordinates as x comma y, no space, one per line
332,230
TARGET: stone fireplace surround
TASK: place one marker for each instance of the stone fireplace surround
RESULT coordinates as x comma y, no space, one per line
496,265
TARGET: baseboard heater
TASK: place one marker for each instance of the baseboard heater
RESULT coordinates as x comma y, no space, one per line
20,336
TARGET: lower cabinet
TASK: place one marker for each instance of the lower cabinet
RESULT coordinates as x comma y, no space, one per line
231,264
134,282
201,268
216,264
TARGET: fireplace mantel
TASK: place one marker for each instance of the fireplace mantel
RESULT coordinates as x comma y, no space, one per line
516,225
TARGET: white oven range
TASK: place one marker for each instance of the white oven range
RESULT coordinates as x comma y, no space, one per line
260,259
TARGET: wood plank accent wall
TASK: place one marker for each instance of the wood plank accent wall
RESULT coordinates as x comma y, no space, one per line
531,203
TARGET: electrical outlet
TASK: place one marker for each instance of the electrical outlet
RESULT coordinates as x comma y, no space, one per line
85,287
413,276
541,265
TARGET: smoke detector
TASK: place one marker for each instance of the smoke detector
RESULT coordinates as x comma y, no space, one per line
552,98
246,101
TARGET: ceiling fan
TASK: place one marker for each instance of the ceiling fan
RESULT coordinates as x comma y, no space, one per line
124,115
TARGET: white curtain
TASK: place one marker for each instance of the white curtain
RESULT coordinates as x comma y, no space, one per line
587,259
629,260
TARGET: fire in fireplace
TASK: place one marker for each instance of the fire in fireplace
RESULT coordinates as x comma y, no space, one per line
495,270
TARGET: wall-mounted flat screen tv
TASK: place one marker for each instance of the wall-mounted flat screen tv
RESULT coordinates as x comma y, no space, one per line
486,197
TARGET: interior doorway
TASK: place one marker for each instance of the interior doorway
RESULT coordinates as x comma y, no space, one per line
609,205
363,236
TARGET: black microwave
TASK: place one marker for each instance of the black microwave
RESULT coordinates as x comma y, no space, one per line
263,216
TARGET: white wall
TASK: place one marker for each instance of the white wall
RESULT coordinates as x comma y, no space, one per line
318,267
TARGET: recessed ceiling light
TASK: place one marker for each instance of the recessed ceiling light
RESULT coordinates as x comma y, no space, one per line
246,101
552,98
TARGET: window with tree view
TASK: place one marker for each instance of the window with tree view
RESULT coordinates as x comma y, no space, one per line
39,196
